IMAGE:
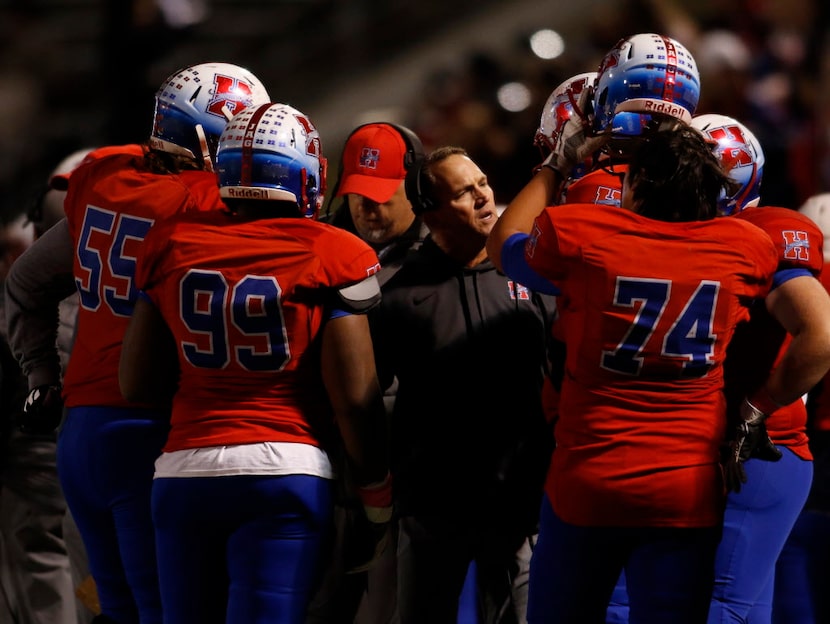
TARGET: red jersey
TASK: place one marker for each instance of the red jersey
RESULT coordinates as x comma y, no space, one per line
647,310
61,180
759,345
597,187
111,203
246,302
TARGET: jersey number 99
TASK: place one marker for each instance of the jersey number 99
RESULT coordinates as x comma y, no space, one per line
209,308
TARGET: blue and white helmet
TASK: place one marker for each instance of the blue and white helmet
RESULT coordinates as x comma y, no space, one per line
741,156
646,74
272,152
194,104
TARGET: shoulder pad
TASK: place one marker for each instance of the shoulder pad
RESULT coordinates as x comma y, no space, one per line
361,296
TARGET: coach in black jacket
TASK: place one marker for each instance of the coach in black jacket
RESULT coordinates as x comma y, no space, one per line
470,444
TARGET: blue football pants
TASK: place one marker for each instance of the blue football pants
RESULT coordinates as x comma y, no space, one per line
757,521
574,569
105,460
241,549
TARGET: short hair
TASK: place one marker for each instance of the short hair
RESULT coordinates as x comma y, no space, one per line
675,175
436,156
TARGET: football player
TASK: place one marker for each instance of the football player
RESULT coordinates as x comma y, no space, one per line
106,444
769,489
801,573
259,312
635,480
643,72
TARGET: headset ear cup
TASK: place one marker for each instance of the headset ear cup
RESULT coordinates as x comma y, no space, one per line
414,147
414,187
414,166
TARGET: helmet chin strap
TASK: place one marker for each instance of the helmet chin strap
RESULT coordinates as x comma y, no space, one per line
203,146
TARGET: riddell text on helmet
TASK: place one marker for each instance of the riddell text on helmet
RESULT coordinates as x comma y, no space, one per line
665,108
247,193
648,105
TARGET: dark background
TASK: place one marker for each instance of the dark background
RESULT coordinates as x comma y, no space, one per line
79,73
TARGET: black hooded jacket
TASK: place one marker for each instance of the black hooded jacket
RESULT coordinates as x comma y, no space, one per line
468,348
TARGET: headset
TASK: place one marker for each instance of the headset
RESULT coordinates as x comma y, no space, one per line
416,186
412,160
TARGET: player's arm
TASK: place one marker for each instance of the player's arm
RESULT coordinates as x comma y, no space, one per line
348,369
350,378
802,306
515,266
574,146
36,284
507,240
521,212
149,366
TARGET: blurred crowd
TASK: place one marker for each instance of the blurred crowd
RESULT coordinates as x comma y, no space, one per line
760,62
763,61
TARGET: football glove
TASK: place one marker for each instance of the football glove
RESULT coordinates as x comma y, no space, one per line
749,439
42,411
371,533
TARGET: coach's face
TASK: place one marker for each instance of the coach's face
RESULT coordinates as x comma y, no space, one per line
464,198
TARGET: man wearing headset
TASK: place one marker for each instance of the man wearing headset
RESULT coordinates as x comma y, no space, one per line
374,163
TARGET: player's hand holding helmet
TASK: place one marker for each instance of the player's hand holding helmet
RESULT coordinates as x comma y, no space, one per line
576,142
749,439
558,109
42,411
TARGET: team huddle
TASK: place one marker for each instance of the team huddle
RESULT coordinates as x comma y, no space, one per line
277,413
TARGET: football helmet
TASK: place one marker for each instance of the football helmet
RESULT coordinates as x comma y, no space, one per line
740,154
559,108
47,210
272,152
193,105
647,74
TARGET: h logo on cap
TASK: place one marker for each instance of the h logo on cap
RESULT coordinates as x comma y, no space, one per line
369,157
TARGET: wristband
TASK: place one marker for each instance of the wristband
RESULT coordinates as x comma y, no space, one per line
763,402
550,163
377,494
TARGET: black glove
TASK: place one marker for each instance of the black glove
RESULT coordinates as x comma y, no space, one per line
749,439
364,542
42,411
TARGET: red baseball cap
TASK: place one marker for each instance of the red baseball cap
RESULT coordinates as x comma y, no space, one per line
373,162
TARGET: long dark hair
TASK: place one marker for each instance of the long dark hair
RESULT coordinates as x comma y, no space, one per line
676,176
164,163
